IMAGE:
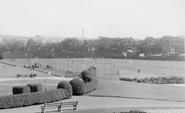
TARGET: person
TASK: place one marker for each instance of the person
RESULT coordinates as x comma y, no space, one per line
118,71
139,69
28,61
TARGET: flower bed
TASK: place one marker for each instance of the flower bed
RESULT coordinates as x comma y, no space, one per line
27,75
156,80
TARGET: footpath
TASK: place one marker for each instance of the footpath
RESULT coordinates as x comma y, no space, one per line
87,102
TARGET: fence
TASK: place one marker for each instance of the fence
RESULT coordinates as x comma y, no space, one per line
104,71
113,69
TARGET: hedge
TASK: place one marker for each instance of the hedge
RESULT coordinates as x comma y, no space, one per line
66,85
88,83
92,71
27,99
35,87
157,80
1,57
20,89
77,86
86,76
80,88
91,86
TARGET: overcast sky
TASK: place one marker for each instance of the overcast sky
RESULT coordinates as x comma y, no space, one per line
110,18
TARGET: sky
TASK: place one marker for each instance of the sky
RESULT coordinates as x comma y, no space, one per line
110,18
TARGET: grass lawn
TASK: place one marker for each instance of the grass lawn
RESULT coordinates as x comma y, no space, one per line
117,110
107,68
9,74
6,86
122,89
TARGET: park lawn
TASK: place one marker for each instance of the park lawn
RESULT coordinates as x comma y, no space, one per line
7,89
6,86
123,89
107,68
11,72
41,80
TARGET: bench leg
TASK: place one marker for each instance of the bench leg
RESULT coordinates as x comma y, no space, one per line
74,107
59,108
42,110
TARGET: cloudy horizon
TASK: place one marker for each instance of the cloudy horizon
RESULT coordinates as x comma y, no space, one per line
110,18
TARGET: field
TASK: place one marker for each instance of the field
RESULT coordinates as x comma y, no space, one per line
107,68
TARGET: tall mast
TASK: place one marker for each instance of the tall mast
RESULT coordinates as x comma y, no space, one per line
82,33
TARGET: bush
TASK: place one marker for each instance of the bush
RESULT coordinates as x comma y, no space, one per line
77,86
20,89
86,76
92,71
66,85
1,57
90,86
35,87
27,99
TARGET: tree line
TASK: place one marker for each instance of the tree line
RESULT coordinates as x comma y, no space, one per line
164,48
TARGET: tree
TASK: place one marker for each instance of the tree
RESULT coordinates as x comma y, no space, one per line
148,46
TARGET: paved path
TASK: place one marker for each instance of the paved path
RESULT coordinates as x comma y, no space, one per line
36,78
86,102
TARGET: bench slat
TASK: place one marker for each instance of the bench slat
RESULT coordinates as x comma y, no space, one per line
59,105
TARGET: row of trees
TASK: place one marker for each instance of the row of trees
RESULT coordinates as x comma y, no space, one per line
166,47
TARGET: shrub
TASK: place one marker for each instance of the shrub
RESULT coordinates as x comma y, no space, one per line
35,87
27,99
92,71
1,57
90,86
66,85
77,86
21,89
86,76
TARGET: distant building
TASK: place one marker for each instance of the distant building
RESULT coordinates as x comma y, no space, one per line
142,55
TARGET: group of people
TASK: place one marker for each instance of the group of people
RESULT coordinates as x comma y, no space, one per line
36,65
27,75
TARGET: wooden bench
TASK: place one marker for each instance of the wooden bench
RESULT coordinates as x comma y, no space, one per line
70,105
59,105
